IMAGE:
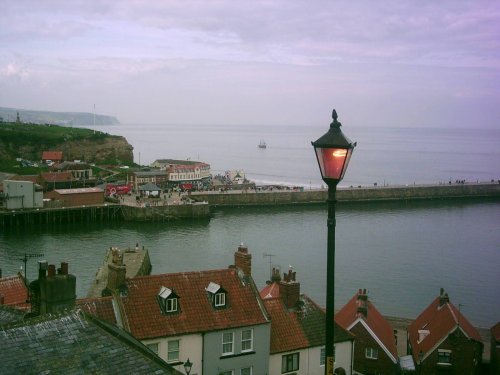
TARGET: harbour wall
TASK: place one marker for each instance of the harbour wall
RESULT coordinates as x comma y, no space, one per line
360,194
166,213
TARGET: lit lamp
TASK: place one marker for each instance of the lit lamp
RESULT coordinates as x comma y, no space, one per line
187,366
333,151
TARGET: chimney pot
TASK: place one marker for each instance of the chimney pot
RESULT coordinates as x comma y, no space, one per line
52,270
64,268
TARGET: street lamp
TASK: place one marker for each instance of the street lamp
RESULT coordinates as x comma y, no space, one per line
187,366
333,151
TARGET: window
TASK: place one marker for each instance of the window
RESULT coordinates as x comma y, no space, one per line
289,362
246,371
153,347
168,300
173,351
172,305
246,340
371,353
230,372
227,343
220,299
444,356
322,356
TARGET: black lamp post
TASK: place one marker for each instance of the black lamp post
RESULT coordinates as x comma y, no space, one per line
420,359
333,151
187,366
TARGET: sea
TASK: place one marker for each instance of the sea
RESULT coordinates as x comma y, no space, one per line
401,252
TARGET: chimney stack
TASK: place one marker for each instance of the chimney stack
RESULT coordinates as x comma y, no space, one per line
362,302
289,289
243,260
116,273
276,276
443,297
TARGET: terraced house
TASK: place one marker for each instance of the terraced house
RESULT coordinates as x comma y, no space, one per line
214,318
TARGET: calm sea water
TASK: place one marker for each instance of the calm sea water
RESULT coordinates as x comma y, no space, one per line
401,252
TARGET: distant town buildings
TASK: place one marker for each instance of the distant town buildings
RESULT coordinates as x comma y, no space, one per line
220,322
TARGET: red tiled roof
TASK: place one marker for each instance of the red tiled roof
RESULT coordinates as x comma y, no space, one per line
145,319
52,155
440,322
298,328
56,176
270,291
495,332
102,307
13,289
377,323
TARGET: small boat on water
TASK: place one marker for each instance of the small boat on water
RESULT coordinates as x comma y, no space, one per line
262,144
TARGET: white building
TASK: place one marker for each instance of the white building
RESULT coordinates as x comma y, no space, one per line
22,194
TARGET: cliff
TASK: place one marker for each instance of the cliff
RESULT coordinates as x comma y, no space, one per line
28,141
57,118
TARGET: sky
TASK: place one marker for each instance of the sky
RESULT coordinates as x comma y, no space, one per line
378,63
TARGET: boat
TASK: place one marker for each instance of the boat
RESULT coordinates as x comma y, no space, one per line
262,144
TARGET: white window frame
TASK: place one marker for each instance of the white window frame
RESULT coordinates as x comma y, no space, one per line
246,341
322,357
220,299
170,351
371,353
171,305
226,341
444,353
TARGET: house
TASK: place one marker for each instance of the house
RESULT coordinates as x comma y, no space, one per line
73,342
184,172
77,197
52,157
156,176
55,180
149,190
442,340
495,349
375,350
79,171
298,331
13,290
21,195
214,318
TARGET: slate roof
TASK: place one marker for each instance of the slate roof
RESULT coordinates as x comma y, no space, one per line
299,328
440,321
9,314
349,314
13,289
74,343
79,191
176,162
149,187
196,315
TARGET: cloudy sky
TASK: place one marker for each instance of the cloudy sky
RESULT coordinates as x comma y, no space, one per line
397,63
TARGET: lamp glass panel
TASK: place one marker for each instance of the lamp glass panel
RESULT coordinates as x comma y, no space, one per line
333,161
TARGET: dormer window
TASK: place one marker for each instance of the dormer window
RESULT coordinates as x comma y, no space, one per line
168,301
217,295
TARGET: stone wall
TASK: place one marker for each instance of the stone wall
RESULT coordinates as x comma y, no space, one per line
278,197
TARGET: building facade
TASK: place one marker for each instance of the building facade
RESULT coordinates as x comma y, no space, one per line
442,340
375,349
22,195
